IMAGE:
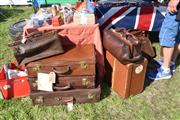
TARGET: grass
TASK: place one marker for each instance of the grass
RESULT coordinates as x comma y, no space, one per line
159,101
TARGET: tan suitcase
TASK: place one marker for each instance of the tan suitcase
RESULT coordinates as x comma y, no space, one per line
126,79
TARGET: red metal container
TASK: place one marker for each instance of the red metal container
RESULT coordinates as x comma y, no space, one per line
15,87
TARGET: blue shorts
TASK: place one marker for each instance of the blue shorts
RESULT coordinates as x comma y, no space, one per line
169,34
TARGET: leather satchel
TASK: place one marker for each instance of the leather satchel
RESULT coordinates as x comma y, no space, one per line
38,45
122,45
146,46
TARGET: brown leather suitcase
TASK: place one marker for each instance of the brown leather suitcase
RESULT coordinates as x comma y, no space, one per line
66,83
76,68
76,61
127,79
63,97
38,45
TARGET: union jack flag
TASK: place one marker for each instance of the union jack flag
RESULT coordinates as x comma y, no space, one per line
147,18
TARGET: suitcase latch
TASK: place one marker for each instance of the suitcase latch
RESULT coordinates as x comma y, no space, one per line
85,82
84,65
36,68
91,96
34,84
39,99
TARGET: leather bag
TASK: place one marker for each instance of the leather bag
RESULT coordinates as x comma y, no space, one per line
146,46
122,45
38,45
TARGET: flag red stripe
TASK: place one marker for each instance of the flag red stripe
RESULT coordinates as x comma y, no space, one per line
145,17
117,14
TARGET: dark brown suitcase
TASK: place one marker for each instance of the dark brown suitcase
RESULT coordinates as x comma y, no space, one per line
63,97
77,60
127,79
74,69
66,83
38,45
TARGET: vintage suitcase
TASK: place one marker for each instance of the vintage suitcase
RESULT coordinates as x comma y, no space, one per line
64,97
75,68
127,79
66,83
38,45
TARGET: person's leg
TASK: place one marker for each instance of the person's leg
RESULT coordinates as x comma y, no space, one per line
167,52
176,53
168,34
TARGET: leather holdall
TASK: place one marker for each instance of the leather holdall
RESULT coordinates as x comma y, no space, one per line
146,46
122,45
38,45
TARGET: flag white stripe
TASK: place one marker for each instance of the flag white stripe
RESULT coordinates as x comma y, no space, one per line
137,18
120,17
108,14
153,18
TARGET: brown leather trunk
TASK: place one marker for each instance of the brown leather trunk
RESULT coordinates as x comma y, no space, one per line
127,79
77,60
74,69
66,83
64,97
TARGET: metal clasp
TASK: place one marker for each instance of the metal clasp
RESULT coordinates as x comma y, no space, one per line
39,99
34,84
91,96
84,65
37,68
85,82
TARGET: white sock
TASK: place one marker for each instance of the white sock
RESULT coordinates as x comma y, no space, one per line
167,70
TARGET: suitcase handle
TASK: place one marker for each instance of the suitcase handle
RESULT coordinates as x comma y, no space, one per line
64,71
65,100
62,88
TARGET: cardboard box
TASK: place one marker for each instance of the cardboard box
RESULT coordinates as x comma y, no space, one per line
84,18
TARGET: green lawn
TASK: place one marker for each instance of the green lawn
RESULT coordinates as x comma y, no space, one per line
159,101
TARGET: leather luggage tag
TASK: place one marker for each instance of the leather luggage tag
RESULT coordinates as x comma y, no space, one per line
45,81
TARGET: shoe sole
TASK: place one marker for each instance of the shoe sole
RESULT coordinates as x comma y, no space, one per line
163,78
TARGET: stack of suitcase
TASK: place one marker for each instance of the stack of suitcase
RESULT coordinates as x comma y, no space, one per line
126,78
75,77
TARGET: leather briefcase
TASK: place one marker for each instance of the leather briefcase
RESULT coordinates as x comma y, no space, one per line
38,45
76,68
127,79
64,97
122,45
